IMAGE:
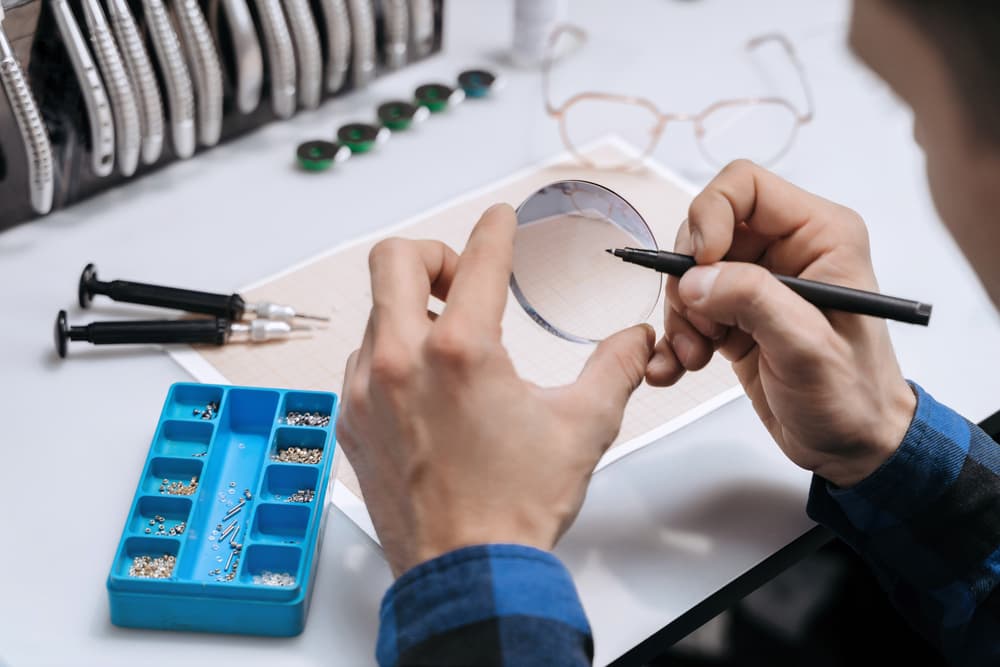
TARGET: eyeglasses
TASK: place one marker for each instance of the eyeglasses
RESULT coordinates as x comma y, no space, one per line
762,129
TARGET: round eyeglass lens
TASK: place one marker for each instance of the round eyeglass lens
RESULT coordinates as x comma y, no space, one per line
562,276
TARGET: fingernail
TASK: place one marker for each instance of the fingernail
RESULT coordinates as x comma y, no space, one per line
659,366
683,348
696,285
650,334
496,206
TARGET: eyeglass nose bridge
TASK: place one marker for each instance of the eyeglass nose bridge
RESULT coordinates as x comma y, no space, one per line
671,118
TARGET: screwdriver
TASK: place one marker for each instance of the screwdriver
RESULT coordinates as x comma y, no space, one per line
228,306
213,331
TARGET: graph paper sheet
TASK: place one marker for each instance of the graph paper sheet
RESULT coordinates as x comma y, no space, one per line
337,283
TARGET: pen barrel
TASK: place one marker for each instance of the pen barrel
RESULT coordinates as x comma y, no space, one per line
229,306
860,302
213,331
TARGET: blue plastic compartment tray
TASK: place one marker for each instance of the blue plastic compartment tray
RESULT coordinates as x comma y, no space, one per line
215,447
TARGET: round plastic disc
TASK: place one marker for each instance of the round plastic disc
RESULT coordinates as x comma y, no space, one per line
562,276
476,82
359,137
437,96
318,155
398,115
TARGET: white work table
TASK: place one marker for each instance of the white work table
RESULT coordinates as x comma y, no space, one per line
661,531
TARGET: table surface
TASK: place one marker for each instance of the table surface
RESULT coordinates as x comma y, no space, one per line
660,531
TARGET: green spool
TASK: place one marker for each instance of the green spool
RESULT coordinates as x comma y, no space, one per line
399,116
362,137
320,155
437,97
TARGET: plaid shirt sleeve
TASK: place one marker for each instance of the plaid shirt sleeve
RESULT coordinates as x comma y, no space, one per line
928,523
495,604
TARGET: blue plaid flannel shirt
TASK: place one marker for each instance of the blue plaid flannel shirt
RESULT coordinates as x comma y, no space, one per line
927,522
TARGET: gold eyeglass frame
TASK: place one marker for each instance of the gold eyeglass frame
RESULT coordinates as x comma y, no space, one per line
559,112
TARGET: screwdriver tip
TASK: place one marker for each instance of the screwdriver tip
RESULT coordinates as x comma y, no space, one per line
318,318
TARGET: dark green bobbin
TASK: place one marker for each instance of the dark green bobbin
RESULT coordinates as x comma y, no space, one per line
320,155
362,137
437,97
399,116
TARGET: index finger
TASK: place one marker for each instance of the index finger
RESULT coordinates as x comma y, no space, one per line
404,274
478,292
744,192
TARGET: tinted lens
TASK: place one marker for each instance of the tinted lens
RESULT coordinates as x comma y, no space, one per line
564,279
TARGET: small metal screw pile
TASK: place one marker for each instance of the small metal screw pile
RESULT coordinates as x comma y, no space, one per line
161,529
298,455
307,419
301,496
268,578
178,488
208,412
153,568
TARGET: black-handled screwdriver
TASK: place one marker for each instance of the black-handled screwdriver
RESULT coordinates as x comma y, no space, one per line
213,331
228,306
821,295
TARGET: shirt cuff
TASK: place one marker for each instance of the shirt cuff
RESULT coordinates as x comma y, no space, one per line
472,585
925,465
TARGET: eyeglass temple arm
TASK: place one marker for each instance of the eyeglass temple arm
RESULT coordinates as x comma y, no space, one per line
566,29
800,69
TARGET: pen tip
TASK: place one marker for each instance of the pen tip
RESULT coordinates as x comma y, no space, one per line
609,251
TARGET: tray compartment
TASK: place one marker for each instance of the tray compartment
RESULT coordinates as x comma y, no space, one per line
270,558
151,509
184,399
290,438
183,438
280,523
282,480
146,546
238,454
310,403
173,470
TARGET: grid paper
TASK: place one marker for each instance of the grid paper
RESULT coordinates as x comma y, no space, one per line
337,284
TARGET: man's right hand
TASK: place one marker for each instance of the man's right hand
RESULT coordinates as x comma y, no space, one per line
825,384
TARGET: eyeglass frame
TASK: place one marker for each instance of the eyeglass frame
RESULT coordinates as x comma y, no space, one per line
664,118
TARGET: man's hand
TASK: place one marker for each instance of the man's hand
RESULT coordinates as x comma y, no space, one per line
826,384
450,446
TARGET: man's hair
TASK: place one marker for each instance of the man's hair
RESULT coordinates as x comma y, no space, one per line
967,33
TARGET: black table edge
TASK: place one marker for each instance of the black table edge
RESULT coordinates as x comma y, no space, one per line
658,643
806,544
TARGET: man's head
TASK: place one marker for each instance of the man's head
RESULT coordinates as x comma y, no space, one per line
942,57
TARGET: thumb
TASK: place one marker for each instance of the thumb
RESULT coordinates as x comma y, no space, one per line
748,297
614,370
